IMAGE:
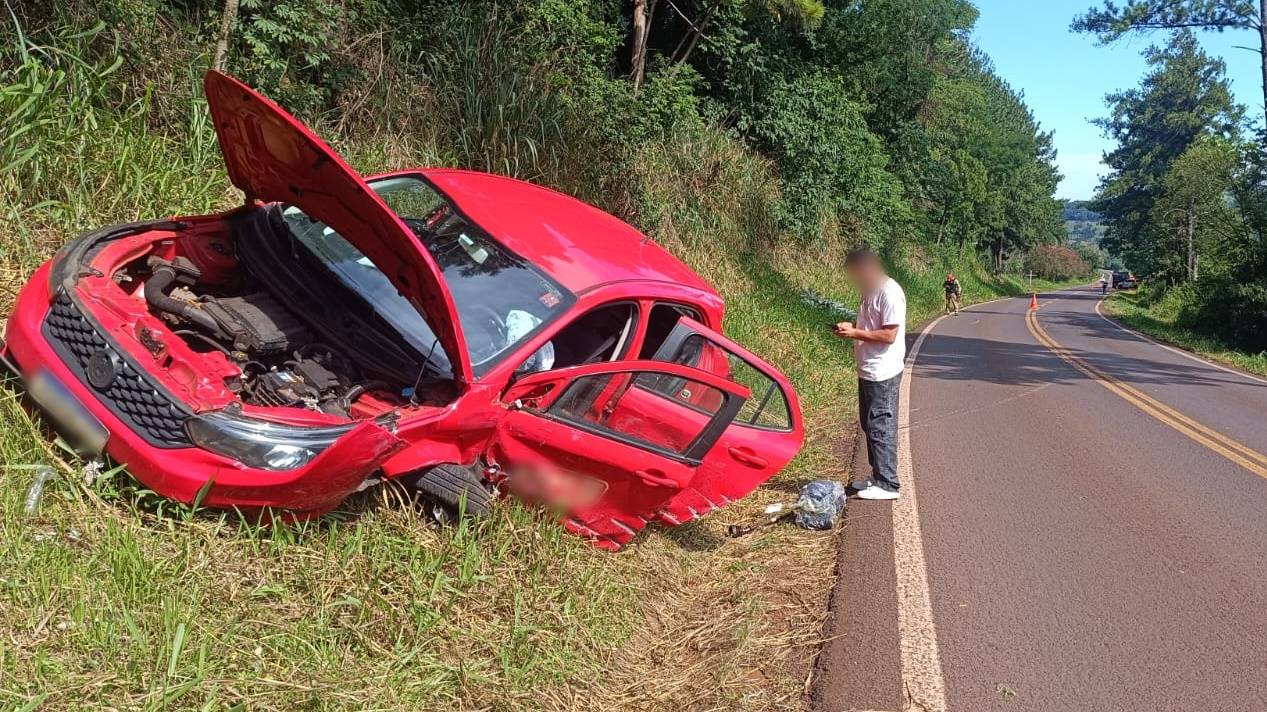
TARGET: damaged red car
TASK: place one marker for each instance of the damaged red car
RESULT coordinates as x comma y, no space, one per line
464,332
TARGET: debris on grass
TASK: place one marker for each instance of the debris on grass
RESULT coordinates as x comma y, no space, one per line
35,492
838,310
92,471
820,504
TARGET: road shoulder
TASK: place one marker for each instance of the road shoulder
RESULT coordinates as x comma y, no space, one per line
869,632
1206,358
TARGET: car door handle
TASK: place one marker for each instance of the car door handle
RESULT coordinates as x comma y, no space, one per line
747,457
656,478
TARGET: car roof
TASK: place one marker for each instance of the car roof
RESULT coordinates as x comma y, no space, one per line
577,244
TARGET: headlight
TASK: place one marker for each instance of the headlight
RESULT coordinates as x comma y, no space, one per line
260,443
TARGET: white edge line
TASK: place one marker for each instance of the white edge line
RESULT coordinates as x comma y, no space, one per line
1186,354
917,636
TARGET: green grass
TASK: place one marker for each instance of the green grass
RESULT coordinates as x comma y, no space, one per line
1157,322
105,603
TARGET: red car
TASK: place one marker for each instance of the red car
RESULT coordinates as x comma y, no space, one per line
464,331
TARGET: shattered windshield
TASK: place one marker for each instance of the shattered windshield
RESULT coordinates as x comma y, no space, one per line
501,299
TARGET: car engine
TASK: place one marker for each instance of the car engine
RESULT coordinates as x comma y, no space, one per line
282,363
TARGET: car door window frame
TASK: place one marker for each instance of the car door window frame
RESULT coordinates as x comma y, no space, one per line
626,339
673,344
684,310
694,453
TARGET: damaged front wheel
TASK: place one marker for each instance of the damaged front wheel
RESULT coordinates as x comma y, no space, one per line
453,489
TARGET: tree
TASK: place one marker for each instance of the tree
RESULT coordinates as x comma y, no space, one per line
227,18
1092,255
992,134
642,13
1195,204
894,51
1111,22
1184,96
801,15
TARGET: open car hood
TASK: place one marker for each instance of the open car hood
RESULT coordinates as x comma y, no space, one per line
273,157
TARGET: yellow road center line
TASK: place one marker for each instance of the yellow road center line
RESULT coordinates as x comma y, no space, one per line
1233,450
1226,441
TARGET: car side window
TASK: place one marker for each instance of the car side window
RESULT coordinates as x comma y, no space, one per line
663,317
601,334
767,408
605,403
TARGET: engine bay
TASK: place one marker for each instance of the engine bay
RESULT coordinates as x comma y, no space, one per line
282,360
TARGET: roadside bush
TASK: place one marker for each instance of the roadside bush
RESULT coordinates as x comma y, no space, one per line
1056,262
1204,307
1177,304
834,168
1234,311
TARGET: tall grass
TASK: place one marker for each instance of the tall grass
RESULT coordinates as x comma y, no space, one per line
74,154
489,125
499,109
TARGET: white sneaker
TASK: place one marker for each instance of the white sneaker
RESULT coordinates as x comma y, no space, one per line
877,492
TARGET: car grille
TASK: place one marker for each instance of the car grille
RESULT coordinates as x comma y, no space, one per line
131,395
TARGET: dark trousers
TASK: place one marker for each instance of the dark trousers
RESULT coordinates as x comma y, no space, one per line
877,412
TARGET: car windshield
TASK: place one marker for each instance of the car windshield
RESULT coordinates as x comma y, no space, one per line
501,298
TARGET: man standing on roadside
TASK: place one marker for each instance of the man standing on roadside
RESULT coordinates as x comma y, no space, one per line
880,351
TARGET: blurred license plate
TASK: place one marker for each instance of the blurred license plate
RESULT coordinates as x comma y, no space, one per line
82,429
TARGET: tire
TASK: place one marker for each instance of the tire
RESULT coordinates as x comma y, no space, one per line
446,485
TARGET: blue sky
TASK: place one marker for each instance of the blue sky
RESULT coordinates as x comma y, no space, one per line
1065,76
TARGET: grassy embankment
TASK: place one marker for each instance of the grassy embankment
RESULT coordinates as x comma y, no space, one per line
1159,320
112,598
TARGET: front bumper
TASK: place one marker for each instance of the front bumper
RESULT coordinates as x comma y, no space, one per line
145,424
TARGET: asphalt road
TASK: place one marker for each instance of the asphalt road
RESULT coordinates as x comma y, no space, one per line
1089,530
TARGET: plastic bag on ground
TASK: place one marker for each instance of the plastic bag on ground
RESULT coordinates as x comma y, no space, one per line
820,504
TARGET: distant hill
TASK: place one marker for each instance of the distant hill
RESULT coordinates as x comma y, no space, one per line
1082,223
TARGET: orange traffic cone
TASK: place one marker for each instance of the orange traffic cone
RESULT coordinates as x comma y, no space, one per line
1033,300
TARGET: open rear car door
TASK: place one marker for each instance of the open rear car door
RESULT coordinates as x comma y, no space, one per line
764,436
627,442
599,443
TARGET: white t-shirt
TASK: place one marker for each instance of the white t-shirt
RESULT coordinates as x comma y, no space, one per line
885,306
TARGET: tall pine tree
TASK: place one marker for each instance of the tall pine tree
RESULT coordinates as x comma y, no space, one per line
1184,96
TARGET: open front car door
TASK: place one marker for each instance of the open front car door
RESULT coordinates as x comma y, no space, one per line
603,444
